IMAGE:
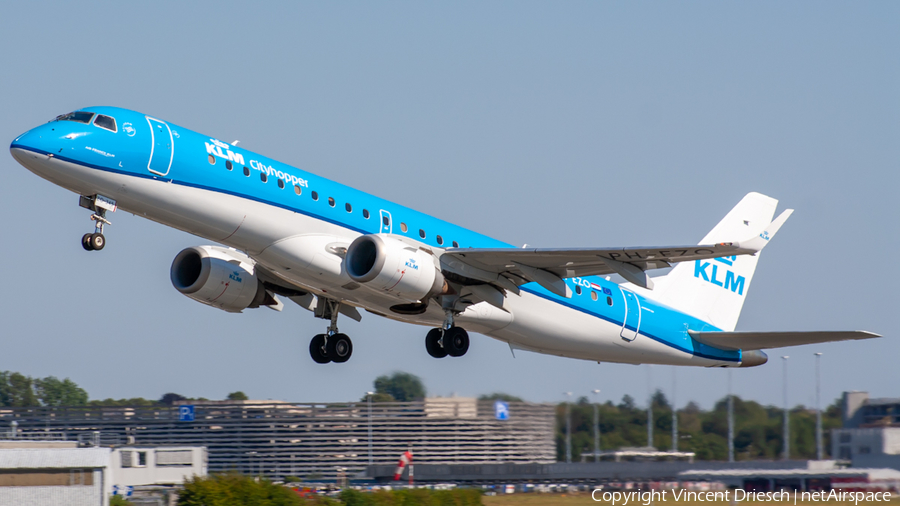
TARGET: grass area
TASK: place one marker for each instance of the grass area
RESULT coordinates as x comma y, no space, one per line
538,499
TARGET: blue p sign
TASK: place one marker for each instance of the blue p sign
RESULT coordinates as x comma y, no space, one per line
186,413
501,410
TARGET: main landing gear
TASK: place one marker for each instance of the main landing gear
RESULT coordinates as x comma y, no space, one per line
98,204
447,340
331,346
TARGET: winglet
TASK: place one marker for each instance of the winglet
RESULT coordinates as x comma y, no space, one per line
759,242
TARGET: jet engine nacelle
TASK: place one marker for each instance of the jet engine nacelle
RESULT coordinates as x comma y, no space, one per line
387,264
218,277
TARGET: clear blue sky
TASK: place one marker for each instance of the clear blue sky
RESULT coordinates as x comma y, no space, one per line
552,124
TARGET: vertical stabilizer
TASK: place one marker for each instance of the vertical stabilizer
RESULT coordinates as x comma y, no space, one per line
715,290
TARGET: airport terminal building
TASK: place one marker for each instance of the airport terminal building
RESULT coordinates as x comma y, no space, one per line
282,439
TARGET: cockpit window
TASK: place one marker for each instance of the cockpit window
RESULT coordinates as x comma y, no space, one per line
106,122
77,116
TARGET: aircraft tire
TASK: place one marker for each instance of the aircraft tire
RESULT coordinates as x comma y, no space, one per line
456,341
433,345
86,242
318,355
97,242
339,348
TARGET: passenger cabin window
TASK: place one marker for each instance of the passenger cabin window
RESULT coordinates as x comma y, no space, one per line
440,241
421,233
331,201
107,122
403,227
366,214
263,177
386,221
593,295
609,301
246,170
212,160
297,189
78,117
281,183
348,207
227,164
315,196
578,289
455,244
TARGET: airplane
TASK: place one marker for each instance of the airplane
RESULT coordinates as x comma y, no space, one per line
283,233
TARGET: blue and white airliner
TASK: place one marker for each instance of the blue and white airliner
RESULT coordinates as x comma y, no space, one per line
284,233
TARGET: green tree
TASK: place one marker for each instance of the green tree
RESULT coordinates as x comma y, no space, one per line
233,489
237,396
170,399
53,392
499,396
402,386
17,390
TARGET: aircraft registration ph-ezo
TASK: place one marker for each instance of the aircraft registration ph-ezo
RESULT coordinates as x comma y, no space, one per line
290,234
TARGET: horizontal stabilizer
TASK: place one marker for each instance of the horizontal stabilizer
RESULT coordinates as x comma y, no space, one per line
764,340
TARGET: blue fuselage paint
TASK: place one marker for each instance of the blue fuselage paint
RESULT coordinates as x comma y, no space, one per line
145,147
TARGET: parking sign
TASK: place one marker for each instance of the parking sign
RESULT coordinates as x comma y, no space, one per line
186,413
501,410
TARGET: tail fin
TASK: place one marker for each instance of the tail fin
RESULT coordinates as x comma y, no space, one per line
715,290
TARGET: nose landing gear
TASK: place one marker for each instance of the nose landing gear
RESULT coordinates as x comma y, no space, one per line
99,205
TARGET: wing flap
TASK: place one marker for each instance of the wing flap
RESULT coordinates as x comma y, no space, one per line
765,340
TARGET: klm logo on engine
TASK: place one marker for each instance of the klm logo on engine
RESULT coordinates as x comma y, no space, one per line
216,147
709,272
235,276
411,263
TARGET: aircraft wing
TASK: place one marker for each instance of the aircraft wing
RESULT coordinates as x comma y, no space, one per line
511,267
764,340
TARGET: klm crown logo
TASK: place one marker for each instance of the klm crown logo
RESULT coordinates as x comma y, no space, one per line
709,272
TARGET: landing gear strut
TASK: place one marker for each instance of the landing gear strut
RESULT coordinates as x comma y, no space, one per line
98,204
447,340
331,346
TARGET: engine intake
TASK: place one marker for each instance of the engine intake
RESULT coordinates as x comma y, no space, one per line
218,277
387,264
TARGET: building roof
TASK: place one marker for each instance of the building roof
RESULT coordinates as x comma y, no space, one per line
872,474
60,458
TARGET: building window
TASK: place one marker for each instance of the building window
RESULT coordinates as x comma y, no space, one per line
864,450
297,189
366,214
212,160
403,227
331,201
440,241
141,459
228,164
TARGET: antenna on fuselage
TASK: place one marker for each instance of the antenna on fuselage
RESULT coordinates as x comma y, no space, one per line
235,143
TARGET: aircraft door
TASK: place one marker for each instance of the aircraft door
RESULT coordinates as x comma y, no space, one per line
632,320
162,147
386,225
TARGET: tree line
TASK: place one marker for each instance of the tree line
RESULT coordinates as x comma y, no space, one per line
757,428
20,391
